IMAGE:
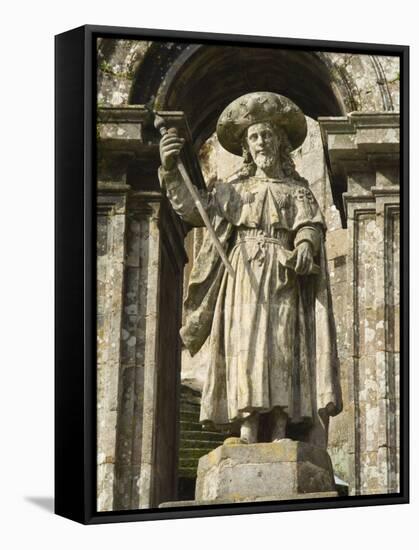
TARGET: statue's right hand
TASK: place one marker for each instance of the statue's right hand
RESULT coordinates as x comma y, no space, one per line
170,147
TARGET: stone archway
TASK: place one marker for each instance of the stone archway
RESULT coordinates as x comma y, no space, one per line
201,79
130,72
205,78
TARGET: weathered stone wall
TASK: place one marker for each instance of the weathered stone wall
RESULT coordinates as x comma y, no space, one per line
117,63
364,439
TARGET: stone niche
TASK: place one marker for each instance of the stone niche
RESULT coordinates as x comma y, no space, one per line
149,439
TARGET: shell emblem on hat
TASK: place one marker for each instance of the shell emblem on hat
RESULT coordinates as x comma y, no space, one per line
258,107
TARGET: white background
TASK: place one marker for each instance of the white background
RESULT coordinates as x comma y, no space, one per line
26,301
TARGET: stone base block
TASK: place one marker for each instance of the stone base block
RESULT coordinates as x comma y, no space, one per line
282,470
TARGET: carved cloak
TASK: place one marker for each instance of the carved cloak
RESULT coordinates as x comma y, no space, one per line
204,286
316,323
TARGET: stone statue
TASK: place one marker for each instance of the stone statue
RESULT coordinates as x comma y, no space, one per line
273,369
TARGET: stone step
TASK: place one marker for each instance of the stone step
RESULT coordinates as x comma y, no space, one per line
189,407
187,442
201,435
193,453
189,473
187,426
188,416
188,463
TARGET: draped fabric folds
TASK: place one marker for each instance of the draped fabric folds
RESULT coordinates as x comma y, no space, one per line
271,332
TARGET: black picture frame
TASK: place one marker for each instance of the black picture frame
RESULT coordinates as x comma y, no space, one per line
75,275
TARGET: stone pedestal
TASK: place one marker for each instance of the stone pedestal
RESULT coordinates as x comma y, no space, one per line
264,471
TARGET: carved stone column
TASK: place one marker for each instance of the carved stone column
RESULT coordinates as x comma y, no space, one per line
118,137
138,353
145,425
363,152
147,429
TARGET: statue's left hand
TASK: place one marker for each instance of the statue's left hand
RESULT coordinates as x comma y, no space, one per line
304,263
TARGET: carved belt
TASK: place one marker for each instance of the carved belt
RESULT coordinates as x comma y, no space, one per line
287,258
261,239
257,251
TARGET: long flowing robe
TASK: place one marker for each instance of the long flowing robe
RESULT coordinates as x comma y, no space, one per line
271,332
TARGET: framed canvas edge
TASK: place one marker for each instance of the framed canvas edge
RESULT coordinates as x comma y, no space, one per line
85,447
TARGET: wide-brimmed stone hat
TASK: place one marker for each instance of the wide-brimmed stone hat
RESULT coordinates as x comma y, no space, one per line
257,107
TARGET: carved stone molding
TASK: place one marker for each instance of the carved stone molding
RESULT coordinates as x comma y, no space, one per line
362,152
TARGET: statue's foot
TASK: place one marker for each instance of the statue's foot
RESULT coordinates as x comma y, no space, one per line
232,441
279,425
249,429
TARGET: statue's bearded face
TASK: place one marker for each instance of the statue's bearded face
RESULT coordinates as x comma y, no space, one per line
263,144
